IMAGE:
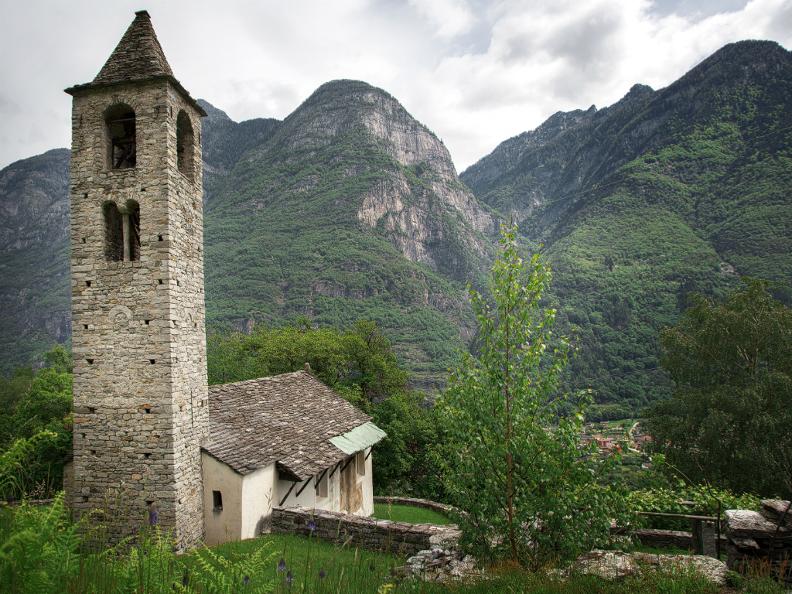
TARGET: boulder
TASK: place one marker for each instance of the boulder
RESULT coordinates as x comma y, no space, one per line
775,510
612,565
743,523
708,567
440,565
609,565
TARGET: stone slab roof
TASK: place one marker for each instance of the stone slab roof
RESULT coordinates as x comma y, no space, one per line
288,418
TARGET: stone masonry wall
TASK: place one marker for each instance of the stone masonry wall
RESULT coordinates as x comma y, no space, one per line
761,540
440,508
368,533
140,390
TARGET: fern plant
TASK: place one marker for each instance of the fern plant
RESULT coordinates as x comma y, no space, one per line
216,574
41,551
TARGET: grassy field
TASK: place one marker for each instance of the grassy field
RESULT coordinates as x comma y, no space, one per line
409,514
301,564
40,553
320,567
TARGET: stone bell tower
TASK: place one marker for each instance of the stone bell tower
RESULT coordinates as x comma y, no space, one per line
140,390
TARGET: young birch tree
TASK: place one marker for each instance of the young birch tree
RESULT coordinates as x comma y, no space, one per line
512,460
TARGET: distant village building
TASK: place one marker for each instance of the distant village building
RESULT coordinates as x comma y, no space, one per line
151,440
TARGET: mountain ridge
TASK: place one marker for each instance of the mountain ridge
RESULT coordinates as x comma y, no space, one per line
662,194
349,208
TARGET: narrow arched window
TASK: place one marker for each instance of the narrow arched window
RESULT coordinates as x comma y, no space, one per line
114,232
121,139
132,237
185,142
122,231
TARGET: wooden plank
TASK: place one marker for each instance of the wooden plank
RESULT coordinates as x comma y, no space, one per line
285,497
307,482
319,480
682,516
343,468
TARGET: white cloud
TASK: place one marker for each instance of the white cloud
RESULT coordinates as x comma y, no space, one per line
449,17
476,73
545,57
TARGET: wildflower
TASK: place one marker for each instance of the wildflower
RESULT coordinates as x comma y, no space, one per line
322,574
281,566
311,526
246,580
153,516
289,577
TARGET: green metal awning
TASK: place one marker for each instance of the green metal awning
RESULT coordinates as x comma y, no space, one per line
359,438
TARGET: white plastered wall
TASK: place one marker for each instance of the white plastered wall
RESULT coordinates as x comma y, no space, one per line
307,498
248,500
368,488
225,525
258,497
332,502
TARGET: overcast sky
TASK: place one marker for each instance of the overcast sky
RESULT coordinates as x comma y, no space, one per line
474,71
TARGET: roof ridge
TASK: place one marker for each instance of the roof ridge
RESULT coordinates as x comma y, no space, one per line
266,377
137,56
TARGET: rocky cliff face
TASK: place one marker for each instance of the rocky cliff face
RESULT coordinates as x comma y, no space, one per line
347,209
34,264
351,208
419,201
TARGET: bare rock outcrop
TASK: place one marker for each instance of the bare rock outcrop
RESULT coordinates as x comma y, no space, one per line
612,565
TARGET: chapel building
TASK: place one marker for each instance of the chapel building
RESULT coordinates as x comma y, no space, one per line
152,442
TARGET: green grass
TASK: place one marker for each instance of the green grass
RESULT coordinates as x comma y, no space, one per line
409,514
352,570
315,565
640,548
511,580
44,556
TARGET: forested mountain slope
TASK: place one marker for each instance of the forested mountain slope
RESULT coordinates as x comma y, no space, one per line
347,209
350,209
666,192
34,257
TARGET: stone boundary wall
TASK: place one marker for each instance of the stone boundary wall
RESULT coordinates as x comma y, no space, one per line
33,502
652,537
415,502
760,540
364,532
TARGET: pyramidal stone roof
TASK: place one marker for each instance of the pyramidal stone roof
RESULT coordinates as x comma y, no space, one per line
138,56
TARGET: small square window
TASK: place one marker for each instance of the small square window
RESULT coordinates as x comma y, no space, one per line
321,487
217,501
